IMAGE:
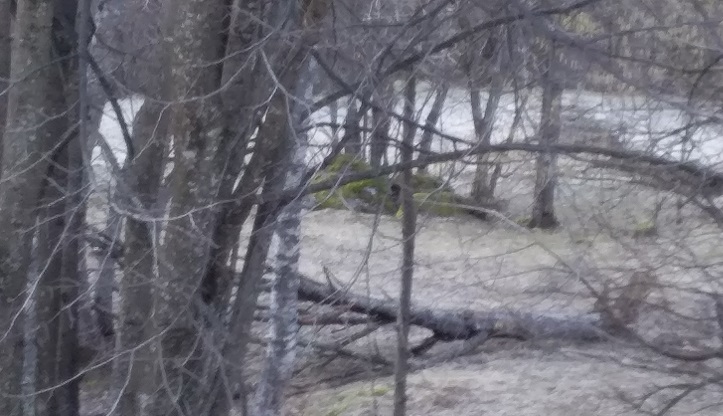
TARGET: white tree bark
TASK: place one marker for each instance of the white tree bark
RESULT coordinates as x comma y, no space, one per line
281,350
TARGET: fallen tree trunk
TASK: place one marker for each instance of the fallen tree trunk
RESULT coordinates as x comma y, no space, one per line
445,324
460,324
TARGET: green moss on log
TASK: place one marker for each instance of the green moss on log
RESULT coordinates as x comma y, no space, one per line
365,194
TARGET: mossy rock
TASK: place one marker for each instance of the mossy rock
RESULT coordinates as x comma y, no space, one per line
365,195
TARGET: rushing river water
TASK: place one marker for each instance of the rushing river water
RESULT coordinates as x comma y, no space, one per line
640,123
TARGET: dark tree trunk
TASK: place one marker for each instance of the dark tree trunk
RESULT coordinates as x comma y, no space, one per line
459,324
425,144
72,342
143,176
352,137
483,126
380,125
409,225
543,212
58,289
334,119
105,283
5,46
59,351
195,31
481,64
49,300
248,89
24,165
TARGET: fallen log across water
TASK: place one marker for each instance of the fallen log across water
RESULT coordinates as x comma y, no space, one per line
460,324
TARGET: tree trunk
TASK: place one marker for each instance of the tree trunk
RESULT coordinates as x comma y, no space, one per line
425,144
409,226
58,349
5,48
48,299
517,119
195,31
268,157
459,324
543,211
380,125
105,283
144,176
249,86
24,164
70,342
58,289
334,119
281,351
352,138
483,126
481,65
274,173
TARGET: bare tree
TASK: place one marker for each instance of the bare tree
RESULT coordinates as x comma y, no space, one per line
543,212
352,139
425,143
226,88
5,48
379,143
58,249
280,355
481,64
25,144
195,29
143,177
408,234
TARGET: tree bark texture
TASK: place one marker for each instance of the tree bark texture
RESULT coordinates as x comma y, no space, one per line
105,283
75,338
290,57
5,48
483,126
543,211
48,299
352,137
143,176
58,348
25,142
380,125
281,351
245,84
459,324
409,225
425,144
195,29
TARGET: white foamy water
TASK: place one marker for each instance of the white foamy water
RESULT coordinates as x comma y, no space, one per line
646,124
